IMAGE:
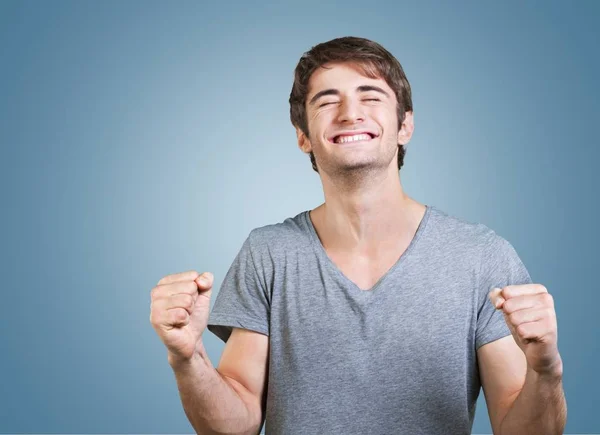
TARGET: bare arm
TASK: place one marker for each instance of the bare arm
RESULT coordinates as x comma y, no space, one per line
226,400
212,403
523,373
539,408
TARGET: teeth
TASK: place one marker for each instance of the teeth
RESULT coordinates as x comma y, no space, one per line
356,137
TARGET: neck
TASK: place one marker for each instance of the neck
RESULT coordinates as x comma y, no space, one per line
362,216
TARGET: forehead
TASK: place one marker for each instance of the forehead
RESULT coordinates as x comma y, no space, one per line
342,76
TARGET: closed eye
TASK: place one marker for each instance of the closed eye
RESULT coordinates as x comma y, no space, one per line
334,102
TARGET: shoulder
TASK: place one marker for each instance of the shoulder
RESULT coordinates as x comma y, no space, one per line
477,244
461,234
291,232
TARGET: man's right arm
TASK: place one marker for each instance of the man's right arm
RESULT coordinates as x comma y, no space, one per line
232,398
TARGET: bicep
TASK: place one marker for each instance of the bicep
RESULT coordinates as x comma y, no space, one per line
502,369
245,362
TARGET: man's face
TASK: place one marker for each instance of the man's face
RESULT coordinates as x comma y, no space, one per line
352,121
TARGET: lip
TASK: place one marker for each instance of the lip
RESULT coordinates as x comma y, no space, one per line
353,132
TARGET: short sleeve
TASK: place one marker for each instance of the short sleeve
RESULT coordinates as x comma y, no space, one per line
242,300
500,266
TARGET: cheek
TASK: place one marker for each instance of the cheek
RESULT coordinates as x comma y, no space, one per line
318,123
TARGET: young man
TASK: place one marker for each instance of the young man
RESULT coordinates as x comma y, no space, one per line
374,313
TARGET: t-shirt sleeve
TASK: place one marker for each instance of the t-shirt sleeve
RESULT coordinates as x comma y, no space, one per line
243,299
500,267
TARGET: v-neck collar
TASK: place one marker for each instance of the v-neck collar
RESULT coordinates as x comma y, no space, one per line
320,251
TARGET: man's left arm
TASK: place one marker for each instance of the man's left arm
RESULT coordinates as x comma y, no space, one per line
522,374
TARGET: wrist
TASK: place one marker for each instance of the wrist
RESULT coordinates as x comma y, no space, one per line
551,373
178,362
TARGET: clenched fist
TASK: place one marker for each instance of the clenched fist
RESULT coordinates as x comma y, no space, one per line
180,305
529,313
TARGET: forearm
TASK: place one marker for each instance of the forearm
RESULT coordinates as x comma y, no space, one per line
211,404
540,407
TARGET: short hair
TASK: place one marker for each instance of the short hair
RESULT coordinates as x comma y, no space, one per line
371,58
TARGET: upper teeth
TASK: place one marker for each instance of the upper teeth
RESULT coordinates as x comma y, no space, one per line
344,139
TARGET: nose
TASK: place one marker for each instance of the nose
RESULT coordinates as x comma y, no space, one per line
350,111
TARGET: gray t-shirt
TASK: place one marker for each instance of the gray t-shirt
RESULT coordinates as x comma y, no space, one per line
399,358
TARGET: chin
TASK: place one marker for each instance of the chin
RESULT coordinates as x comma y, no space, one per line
357,165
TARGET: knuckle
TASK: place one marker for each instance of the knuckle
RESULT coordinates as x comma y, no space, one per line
548,299
181,301
180,315
522,330
191,287
189,301
175,277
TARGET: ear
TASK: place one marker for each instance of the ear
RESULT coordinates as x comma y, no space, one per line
407,129
303,142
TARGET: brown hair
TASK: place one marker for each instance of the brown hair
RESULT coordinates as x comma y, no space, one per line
372,59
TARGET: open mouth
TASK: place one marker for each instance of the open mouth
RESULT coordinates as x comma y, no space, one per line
351,138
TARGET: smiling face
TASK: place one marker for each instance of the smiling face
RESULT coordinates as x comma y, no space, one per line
352,121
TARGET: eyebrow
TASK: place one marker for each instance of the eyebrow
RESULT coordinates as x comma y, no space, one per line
363,88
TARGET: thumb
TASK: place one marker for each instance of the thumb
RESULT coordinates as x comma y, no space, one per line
498,302
205,281
496,298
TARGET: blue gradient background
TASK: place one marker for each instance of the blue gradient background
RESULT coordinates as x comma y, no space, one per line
141,139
